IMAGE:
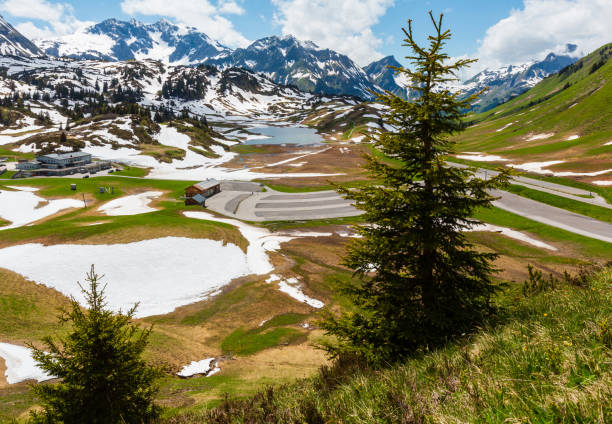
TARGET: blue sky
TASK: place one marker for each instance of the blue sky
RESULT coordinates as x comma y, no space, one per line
499,32
467,23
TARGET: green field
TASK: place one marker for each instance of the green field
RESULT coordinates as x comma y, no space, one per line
250,322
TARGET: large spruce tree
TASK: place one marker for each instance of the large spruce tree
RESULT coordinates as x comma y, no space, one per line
421,281
104,379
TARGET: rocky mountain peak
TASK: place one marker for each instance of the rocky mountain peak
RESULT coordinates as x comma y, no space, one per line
13,43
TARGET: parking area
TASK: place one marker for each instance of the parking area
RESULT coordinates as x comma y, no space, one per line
246,201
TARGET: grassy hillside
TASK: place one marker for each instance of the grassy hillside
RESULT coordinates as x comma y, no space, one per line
566,117
548,359
261,335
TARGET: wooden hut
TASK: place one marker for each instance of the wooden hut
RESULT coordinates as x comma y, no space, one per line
198,193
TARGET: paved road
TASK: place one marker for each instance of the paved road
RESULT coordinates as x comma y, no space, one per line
276,206
301,205
272,205
555,217
327,213
547,187
245,186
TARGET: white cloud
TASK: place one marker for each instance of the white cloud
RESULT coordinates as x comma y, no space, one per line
230,7
542,26
59,17
201,14
34,9
345,26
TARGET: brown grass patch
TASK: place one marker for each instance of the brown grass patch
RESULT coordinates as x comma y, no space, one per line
28,310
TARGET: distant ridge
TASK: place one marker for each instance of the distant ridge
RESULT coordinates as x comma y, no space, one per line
13,43
503,83
286,60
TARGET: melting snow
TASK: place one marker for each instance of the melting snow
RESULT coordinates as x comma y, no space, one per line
21,207
512,234
603,183
20,366
260,241
130,205
538,168
199,367
192,167
482,158
572,137
292,287
504,127
347,234
540,136
162,274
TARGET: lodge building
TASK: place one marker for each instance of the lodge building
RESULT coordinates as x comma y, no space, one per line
59,164
198,193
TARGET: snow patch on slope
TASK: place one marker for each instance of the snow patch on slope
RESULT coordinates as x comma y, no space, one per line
20,365
162,274
130,205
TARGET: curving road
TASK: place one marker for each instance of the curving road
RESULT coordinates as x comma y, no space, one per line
244,202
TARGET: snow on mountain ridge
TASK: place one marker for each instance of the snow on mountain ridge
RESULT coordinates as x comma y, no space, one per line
503,83
115,40
14,43
288,60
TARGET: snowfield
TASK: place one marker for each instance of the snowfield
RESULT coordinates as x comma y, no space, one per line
261,241
480,157
20,366
512,234
192,167
291,287
538,168
162,274
199,367
539,136
130,205
21,207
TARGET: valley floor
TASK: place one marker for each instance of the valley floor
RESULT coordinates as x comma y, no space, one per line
249,274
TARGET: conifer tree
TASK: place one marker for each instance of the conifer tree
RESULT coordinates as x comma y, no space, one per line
104,380
421,282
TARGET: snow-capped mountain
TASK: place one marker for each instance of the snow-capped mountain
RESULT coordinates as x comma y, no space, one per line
115,40
503,83
285,60
14,44
228,94
289,61
508,82
382,74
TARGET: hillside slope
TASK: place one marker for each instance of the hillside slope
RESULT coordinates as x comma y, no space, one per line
13,43
562,126
549,360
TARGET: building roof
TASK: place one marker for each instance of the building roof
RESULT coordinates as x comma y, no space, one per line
199,198
205,185
60,156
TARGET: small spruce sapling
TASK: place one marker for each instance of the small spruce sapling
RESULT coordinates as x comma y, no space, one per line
104,379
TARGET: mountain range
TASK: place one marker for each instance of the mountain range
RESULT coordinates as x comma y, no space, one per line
502,84
286,60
